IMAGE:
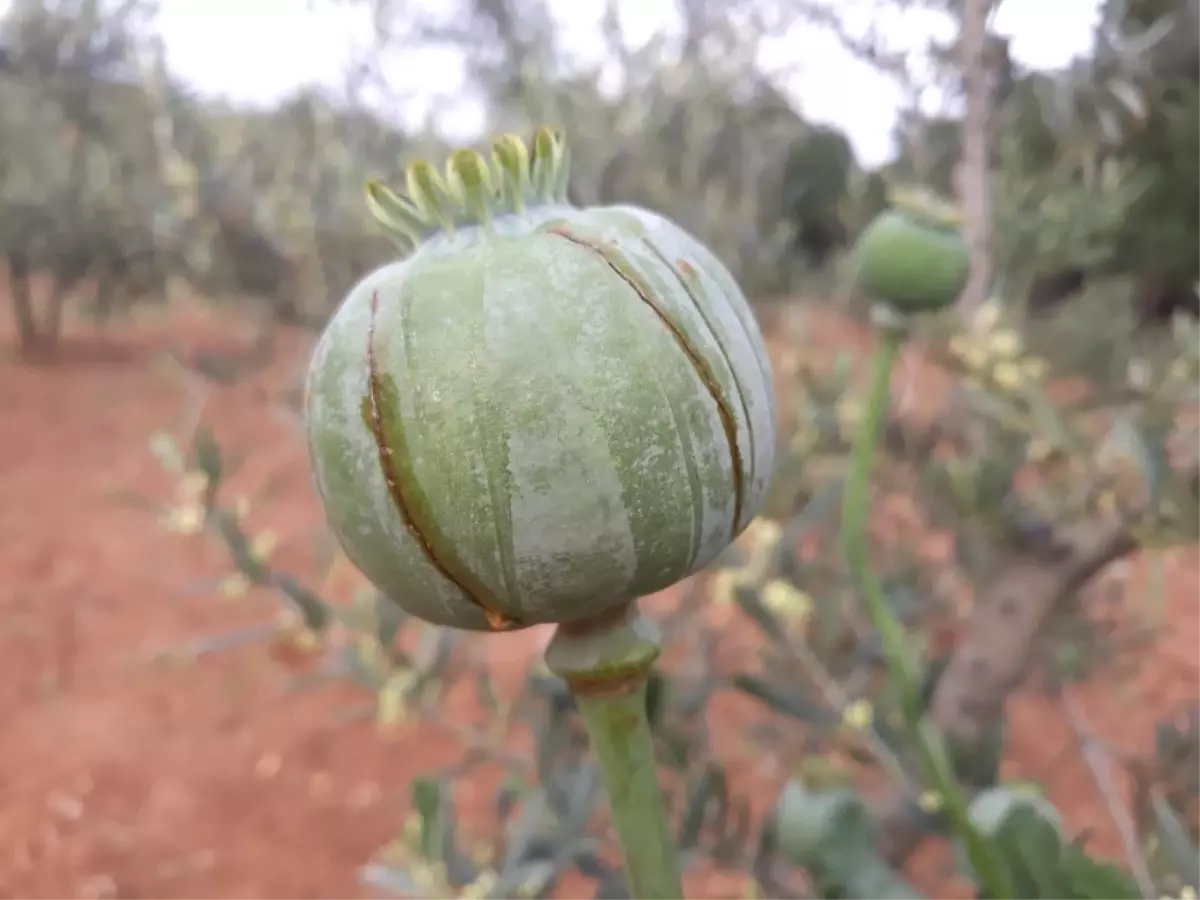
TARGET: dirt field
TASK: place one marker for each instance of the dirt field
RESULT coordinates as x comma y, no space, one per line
121,777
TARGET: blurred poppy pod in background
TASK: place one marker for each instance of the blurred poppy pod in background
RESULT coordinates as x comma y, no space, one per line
913,257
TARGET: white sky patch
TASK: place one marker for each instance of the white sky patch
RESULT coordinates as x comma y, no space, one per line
258,51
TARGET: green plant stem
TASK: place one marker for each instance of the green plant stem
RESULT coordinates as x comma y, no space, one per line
856,513
606,661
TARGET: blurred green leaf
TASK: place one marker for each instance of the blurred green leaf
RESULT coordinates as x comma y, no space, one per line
389,617
707,795
749,598
823,828
1176,843
830,833
437,830
788,702
657,692
1145,448
1094,880
429,799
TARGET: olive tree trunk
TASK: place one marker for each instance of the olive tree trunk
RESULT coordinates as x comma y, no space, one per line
973,176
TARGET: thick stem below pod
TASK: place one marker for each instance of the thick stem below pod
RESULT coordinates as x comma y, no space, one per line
606,661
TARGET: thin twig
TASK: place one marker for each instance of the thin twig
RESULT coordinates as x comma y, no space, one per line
1101,767
218,643
838,700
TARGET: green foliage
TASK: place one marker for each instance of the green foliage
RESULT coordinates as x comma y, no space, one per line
829,831
1163,225
1026,832
1059,222
111,171
816,184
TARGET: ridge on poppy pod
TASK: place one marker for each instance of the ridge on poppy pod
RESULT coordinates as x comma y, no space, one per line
927,207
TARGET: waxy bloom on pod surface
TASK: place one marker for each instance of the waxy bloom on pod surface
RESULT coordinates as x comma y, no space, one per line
541,412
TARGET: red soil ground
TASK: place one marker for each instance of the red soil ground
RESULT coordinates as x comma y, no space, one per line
120,777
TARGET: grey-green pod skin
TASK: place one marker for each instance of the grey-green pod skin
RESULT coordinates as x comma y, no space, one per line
912,265
538,420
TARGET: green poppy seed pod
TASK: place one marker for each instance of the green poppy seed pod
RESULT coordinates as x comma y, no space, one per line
912,257
542,412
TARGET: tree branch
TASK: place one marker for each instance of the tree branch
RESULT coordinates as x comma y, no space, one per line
996,649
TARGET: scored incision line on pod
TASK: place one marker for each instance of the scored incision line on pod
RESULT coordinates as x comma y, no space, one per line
497,619
687,275
728,421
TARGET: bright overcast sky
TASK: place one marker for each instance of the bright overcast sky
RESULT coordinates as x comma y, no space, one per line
259,50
